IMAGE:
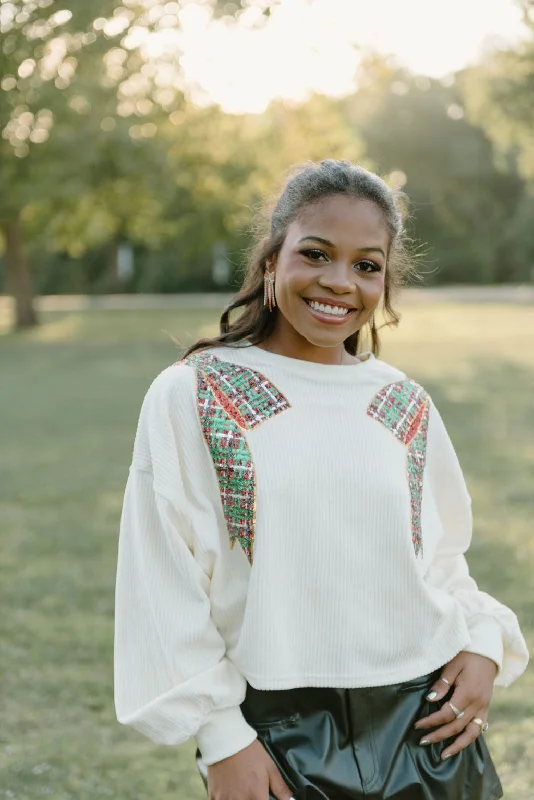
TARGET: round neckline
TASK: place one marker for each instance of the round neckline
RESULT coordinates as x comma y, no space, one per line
311,367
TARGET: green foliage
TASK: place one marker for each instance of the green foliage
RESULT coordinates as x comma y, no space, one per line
101,146
499,94
83,164
416,133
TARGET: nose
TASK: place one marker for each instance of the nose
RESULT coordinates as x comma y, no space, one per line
340,278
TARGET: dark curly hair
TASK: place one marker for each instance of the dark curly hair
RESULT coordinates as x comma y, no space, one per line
306,185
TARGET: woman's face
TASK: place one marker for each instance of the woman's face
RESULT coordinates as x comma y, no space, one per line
333,255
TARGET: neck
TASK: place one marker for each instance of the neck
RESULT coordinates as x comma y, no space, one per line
307,351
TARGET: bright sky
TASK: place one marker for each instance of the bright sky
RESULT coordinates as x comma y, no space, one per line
309,45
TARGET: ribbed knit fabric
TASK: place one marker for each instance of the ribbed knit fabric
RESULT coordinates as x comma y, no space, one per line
290,524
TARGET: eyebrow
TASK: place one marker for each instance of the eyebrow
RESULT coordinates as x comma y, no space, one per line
328,243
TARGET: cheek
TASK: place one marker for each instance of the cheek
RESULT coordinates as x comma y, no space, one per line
373,289
294,279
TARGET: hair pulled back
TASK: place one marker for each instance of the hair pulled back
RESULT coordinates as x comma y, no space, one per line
309,184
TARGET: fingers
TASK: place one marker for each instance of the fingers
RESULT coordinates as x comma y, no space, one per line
446,731
464,730
446,713
439,690
444,684
278,786
448,722
471,732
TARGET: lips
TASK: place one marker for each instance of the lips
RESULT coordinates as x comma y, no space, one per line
330,301
328,318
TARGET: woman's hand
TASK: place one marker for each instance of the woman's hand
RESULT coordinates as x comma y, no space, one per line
249,775
472,677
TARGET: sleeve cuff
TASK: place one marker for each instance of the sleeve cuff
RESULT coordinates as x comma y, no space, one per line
224,734
486,639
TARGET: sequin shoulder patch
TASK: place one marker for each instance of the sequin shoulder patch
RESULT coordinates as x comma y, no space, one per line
403,408
232,400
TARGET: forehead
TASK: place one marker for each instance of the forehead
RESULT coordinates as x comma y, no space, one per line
344,220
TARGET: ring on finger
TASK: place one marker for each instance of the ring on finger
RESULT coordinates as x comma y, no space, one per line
445,681
456,711
480,722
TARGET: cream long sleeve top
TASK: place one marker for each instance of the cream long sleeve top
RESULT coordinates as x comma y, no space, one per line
289,524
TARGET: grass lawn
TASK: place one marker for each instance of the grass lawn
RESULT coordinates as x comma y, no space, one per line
71,394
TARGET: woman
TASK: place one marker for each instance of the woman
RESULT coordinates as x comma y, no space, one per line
292,589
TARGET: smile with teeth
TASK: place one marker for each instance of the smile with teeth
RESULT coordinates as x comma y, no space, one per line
335,311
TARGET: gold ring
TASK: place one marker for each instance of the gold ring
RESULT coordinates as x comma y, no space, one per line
456,711
483,725
445,681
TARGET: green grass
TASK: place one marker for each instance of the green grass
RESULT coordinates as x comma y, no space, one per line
71,393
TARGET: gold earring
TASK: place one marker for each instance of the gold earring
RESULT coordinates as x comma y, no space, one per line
269,298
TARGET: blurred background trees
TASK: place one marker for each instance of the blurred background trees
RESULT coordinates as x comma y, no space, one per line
113,180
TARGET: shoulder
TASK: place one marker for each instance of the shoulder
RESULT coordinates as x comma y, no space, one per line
180,381
400,395
173,382
400,403
170,397
386,375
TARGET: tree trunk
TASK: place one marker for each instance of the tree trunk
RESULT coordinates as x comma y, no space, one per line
18,278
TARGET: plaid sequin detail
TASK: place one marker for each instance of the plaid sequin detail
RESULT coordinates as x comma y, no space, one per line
403,408
232,400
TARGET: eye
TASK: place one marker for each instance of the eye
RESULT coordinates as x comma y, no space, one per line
314,255
370,266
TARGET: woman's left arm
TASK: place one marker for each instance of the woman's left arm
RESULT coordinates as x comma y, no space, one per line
497,652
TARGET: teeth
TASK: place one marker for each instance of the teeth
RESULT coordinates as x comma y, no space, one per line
326,309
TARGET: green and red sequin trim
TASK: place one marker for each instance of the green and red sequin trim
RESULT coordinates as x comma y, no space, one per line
403,408
232,400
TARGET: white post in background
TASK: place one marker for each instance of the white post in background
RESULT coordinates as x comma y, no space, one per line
125,261
220,271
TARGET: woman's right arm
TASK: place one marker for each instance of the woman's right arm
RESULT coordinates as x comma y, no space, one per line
173,680
172,677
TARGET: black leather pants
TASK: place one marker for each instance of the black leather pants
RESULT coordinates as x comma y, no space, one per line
351,744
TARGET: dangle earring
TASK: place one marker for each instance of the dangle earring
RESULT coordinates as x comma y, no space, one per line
372,321
269,298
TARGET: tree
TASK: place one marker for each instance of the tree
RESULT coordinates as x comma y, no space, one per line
72,73
417,135
44,47
499,94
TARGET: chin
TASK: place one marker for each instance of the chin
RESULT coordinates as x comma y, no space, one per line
334,339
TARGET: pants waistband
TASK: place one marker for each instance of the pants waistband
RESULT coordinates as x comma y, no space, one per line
269,706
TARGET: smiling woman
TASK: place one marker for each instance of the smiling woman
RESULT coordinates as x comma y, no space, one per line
335,285
292,588
335,237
